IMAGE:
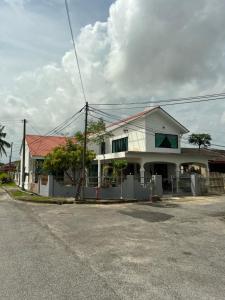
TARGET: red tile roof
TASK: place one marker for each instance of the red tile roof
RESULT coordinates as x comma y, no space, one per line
40,145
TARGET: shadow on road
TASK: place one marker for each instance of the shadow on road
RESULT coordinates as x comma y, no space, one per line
147,216
161,205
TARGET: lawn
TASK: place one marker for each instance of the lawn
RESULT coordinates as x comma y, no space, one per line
10,184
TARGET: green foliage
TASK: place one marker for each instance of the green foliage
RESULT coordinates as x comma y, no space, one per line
3,143
5,178
200,139
69,156
96,132
118,166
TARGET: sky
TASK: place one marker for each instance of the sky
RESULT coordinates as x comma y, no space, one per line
129,51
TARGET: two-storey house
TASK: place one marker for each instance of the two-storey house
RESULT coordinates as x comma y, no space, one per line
150,141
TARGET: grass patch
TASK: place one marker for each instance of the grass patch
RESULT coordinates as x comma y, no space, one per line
10,184
26,196
16,193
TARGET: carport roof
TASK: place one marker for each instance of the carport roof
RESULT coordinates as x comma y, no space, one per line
215,154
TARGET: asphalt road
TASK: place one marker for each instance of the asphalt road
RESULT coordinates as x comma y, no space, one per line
36,264
171,250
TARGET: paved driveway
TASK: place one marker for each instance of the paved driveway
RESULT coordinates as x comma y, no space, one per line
173,250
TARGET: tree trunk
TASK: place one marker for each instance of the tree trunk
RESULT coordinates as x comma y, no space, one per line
79,186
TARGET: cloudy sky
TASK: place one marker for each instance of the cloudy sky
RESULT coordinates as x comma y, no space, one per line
129,50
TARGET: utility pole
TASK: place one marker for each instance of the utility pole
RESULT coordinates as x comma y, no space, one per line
84,151
10,156
23,147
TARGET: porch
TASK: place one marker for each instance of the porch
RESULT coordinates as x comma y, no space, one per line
175,169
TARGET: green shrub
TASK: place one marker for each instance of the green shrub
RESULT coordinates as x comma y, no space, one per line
5,178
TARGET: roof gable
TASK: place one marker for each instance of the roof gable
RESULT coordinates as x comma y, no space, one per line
145,113
129,119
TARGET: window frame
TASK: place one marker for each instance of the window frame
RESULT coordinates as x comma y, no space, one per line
117,147
168,135
102,147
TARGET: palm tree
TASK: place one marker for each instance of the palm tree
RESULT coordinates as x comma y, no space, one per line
200,139
3,143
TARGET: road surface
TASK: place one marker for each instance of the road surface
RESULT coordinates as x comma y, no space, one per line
35,264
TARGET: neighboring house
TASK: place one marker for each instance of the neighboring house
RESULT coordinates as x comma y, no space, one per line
36,148
217,165
151,143
9,167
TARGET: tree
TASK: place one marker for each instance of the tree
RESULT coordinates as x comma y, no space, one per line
3,143
200,139
96,133
67,158
118,165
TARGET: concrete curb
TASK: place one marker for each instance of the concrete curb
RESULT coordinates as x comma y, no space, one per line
109,201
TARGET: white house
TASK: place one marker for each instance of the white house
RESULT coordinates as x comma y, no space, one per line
36,148
151,143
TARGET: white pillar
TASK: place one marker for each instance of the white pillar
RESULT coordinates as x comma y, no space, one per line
142,174
177,177
99,173
207,170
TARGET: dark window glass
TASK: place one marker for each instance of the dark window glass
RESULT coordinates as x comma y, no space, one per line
120,145
103,148
166,140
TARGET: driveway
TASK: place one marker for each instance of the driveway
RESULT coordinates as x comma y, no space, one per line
171,250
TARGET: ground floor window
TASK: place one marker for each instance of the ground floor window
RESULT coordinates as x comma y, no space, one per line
163,140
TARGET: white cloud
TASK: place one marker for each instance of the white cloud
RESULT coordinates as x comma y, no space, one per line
147,48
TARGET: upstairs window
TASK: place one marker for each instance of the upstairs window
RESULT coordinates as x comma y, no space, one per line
166,140
120,145
102,148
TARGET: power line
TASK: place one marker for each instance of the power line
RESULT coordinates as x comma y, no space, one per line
167,104
75,50
214,96
44,144
32,127
149,132
71,122
58,127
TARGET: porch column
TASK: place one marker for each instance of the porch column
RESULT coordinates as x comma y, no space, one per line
142,174
99,173
207,170
177,177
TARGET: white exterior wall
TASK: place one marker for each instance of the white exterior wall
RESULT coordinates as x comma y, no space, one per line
136,137
157,123
141,133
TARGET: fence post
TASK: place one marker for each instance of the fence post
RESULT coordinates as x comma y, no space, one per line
172,184
158,190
